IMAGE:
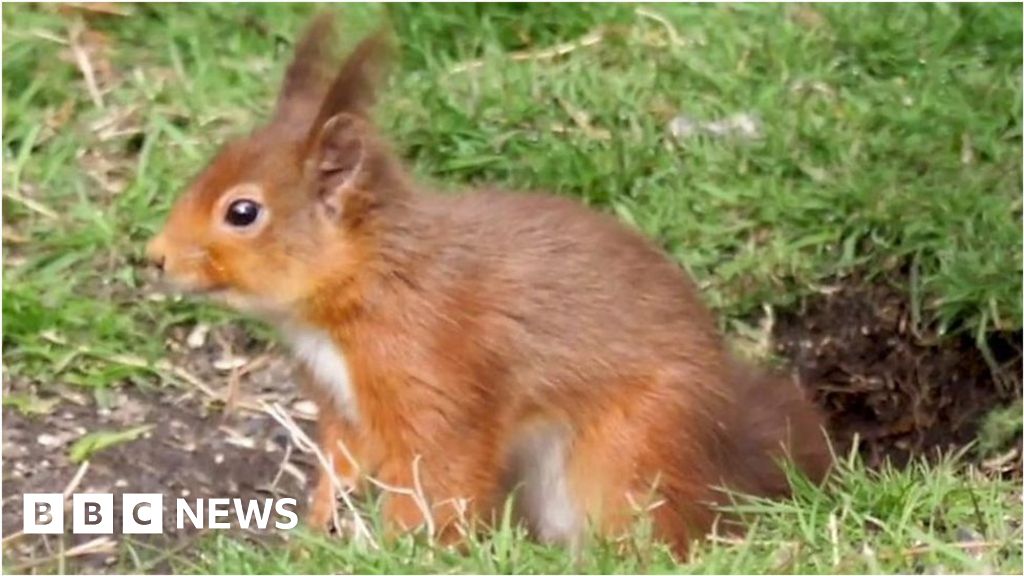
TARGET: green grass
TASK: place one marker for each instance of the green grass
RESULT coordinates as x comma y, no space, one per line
891,148
923,519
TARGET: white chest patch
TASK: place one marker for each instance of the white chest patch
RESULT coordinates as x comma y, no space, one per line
328,367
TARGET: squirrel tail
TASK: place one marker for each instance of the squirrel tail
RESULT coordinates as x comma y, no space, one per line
774,420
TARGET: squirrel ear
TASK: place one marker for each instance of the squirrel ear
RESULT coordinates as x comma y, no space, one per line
353,89
306,79
340,157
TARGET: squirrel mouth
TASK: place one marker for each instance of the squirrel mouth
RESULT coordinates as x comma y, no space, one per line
219,294
172,286
212,290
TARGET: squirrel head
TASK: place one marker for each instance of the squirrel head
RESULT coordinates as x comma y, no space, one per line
290,206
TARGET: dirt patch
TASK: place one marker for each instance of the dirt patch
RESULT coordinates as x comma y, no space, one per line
901,389
194,449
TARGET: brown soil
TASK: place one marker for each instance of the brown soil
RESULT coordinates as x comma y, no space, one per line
195,449
901,390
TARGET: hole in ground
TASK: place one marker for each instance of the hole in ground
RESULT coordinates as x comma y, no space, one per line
904,393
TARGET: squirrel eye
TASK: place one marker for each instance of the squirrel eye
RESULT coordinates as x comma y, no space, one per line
242,213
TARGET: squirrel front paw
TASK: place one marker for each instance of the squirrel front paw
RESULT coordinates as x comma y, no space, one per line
322,506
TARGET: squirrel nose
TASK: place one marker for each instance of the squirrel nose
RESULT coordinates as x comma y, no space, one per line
155,253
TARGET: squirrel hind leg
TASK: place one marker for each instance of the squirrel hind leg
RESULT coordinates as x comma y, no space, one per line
569,482
538,466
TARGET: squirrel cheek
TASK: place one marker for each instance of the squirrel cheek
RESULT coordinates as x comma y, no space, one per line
212,270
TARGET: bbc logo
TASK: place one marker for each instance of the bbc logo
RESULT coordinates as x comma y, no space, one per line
93,513
144,513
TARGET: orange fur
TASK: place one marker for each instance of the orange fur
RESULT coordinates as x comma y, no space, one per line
490,337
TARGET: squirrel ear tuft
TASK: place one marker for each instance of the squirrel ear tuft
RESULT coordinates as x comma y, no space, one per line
306,79
353,90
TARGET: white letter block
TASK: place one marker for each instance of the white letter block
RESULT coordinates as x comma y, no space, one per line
92,514
142,513
42,513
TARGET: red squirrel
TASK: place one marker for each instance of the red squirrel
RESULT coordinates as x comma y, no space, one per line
507,344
